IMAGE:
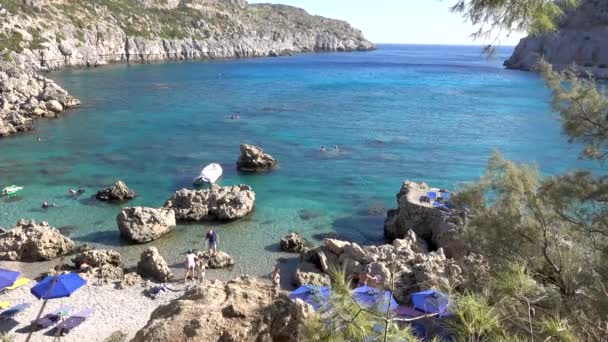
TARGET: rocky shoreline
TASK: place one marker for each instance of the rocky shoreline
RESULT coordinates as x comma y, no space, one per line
579,39
43,35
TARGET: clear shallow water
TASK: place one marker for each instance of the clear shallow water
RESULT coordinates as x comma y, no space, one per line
428,113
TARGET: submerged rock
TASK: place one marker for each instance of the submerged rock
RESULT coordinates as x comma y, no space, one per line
142,224
254,159
31,241
216,203
153,265
294,243
242,309
117,192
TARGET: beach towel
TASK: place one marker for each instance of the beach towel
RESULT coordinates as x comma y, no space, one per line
431,195
72,322
20,282
51,318
12,312
4,305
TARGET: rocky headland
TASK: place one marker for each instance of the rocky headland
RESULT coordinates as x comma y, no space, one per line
41,35
581,39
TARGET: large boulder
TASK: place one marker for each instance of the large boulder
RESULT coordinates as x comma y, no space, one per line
99,265
217,203
242,309
142,224
294,243
31,241
254,159
215,260
439,227
153,265
309,274
117,192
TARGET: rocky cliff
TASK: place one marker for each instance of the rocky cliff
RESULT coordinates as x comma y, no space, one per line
582,38
40,35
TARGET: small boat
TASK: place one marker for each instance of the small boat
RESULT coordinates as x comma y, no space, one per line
11,190
210,174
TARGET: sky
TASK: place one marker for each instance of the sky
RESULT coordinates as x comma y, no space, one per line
399,21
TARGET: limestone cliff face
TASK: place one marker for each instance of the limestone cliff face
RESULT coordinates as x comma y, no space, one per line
57,33
582,38
41,35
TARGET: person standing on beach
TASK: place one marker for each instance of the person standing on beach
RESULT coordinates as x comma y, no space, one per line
190,265
212,240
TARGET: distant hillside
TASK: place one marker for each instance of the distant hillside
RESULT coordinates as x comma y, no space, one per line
37,35
49,34
582,38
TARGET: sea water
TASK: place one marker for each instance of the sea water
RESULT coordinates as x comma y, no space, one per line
424,113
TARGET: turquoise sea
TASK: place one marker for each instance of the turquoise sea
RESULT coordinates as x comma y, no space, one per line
426,113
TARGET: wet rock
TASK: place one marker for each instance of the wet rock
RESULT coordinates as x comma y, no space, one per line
294,243
117,192
153,265
142,224
216,260
254,159
31,241
216,203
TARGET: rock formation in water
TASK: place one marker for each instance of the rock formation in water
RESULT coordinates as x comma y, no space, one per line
26,96
254,159
242,309
117,192
217,203
31,241
38,35
581,38
215,260
142,224
294,243
437,226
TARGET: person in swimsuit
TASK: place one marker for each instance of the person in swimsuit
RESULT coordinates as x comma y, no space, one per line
212,241
190,265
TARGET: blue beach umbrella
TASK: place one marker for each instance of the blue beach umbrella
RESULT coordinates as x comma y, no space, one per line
431,301
316,296
59,286
7,278
373,298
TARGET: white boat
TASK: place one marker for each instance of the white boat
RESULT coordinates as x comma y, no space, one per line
210,174
11,190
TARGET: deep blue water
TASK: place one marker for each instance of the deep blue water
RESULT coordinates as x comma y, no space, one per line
427,113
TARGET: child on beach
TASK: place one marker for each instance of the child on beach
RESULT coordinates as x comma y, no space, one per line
200,266
276,278
190,265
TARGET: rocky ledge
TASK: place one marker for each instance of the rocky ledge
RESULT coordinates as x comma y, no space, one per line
217,203
254,159
142,224
407,260
242,309
38,35
26,96
31,241
439,227
580,38
117,192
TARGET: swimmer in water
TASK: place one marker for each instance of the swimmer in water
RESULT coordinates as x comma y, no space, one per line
80,190
72,192
323,149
